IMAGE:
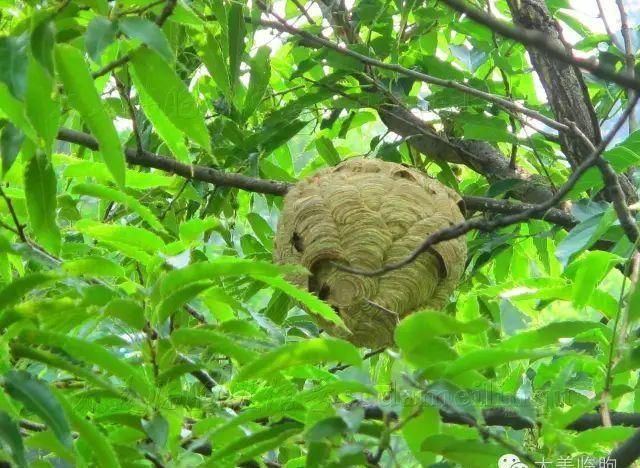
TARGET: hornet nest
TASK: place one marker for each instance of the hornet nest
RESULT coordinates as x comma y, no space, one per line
366,213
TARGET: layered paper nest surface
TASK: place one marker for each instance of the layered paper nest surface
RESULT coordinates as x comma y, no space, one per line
367,213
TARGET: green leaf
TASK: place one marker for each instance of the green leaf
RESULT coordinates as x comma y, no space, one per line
327,151
484,358
170,134
260,75
271,438
139,238
549,334
42,107
179,298
55,361
214,60
101,32
192,229
37,397
213,340
584,235
11,294
262,229
13,63
43,39
128,311
84,98
311,301
14,110
450,398
326,429
41,193
95,354
93,266
102,452
110,194
237,32
589,270
10,434
148,33
206,271
157,428
313,351
433,323
162,84
10,143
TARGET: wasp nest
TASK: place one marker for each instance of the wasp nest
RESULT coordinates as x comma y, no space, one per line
367,213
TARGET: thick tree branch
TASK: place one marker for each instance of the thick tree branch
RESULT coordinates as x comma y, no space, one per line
478,155
202,173
628,452
273,187
569,99
480,224
543,43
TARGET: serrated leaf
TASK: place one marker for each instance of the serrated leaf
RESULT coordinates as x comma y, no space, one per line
549,334
133,236
102,452
170,134
41,193
192,229
41,106
43,39
95,354
205,271
13,63
262,229
179,298
327,151
10,143
111,194
170,94
93,266
101,32
83,96
12,293
237,31
214,340
314,351
157,428
214,60
10,434
148,33
259,81
37,397
313,304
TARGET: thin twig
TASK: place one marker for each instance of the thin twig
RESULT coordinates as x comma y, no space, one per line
629,59
607,27
281,24
14,216
160,20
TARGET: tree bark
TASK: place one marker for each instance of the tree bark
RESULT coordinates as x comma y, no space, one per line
564,86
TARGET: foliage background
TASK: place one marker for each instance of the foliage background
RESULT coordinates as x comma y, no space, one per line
142,322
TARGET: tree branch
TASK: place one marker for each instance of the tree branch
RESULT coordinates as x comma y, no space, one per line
461,229
626,453
202,173
540,41
273,187
629,59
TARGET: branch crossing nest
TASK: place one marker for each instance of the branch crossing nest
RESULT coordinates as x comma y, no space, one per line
367,213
